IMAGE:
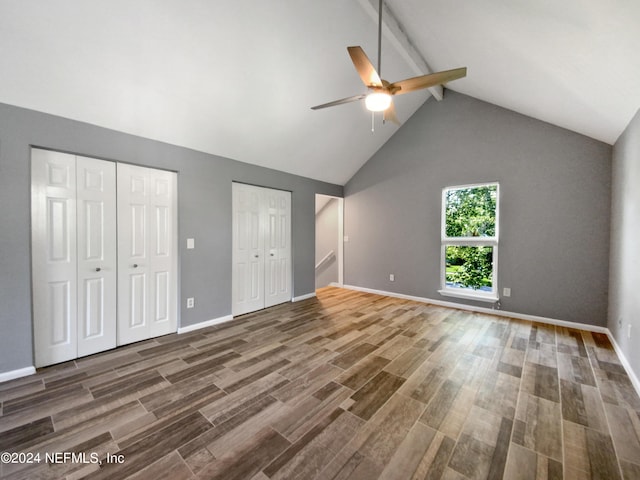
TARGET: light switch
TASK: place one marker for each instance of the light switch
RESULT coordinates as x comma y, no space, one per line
191,243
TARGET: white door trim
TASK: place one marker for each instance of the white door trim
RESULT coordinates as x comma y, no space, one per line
340,240
340,252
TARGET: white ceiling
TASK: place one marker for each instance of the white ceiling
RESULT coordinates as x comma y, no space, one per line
237,78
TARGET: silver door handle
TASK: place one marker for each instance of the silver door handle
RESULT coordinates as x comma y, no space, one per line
98,269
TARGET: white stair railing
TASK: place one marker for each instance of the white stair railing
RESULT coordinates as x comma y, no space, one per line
325,259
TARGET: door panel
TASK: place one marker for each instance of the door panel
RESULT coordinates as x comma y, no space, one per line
162,231
138,232
162,297
94,230
58,226
138,304
94,314
96,227
61,319
256,282
53,227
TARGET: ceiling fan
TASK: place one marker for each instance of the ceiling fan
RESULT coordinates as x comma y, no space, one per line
378,99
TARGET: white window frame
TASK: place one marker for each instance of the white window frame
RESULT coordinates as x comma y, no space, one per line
469,293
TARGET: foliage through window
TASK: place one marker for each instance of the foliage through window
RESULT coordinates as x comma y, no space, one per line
470,240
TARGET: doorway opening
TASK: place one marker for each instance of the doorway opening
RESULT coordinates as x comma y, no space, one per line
329,241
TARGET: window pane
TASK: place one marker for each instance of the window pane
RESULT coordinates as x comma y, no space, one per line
469,267
471,212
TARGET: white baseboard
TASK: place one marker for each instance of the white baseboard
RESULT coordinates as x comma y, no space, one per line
502,313
208,323
490,311
13,374
625,363
303,297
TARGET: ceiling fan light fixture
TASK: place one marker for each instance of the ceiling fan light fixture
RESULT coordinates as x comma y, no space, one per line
377,101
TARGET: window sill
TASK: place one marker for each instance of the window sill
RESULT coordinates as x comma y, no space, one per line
478,297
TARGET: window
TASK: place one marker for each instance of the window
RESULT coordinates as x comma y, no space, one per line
469,260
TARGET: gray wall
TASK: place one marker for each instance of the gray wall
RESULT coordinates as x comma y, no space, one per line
624,296
327,240
204,208
555,190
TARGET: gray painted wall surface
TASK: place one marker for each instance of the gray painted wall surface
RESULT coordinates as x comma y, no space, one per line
327,240
204,208
624,289
555,190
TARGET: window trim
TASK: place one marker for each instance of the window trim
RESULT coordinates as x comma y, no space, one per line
468,293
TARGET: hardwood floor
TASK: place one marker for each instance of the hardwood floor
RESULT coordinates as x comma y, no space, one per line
348,385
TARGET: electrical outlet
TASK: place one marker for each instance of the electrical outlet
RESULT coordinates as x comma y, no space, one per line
191,243
190,302
392,277
629,331
346,238
506,292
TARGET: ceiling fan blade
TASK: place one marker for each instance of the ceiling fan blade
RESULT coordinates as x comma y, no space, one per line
355,98
426,81
390,115
365,68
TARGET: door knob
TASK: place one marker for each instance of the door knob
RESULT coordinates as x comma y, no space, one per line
256,256
98,269
135,265
272,254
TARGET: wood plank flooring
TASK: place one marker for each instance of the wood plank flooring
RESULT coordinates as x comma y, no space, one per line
346,385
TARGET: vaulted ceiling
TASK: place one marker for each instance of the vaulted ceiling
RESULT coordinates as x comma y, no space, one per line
237,78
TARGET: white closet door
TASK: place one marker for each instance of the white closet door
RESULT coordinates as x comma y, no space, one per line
96,242
162,250
261,248
147,253
53,229
248,249
278,247
133,258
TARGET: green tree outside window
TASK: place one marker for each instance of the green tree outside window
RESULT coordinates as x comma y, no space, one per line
470,213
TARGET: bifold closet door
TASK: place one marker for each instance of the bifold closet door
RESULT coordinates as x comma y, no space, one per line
277,247
261,248
147,253
97,265
248,249
73,226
